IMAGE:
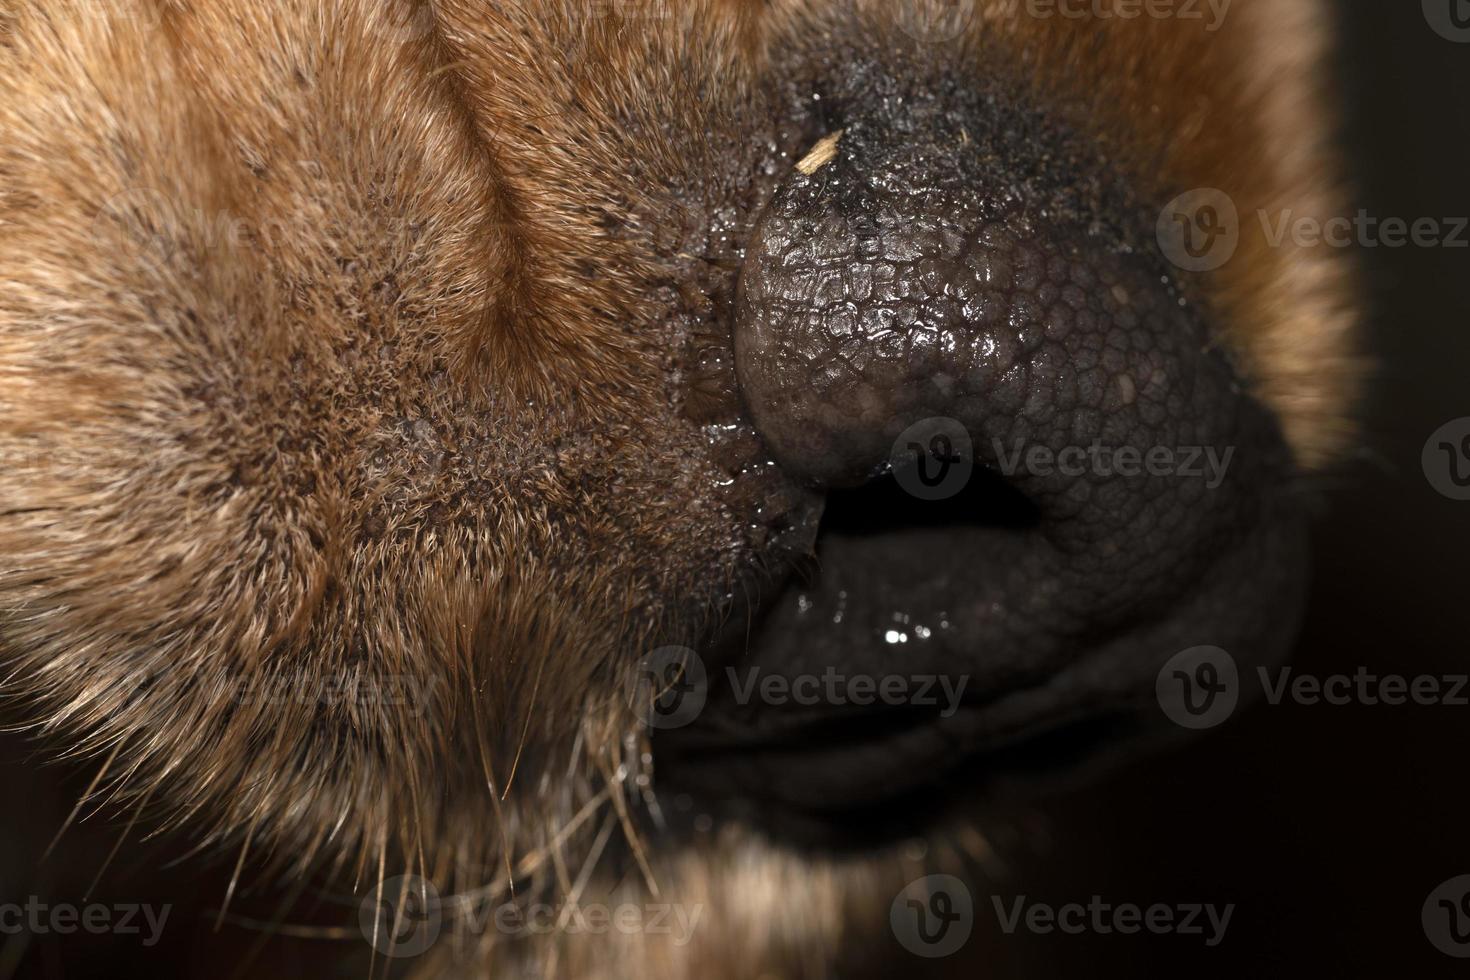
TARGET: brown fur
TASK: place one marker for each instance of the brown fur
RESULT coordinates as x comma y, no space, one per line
337,341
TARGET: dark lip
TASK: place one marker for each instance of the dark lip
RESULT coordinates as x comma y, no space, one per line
1052,698
911,746
927,781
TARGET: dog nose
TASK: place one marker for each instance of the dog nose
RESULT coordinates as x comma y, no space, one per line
910,288
901,275
989,286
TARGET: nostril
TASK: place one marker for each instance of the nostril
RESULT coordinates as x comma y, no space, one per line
885,505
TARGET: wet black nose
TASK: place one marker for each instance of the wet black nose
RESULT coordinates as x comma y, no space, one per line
963,288
907,272
907,294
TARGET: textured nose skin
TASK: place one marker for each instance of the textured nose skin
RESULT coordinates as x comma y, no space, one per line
864,302
941,265
903,279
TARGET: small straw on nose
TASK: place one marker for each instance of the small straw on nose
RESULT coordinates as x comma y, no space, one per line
821,154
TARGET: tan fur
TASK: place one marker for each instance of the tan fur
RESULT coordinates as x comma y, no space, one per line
335,340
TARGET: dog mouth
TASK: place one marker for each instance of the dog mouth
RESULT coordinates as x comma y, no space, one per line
925,660
1042,477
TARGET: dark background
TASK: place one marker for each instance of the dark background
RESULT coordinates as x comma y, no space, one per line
1327,827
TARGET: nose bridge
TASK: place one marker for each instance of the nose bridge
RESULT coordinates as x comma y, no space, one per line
853,300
